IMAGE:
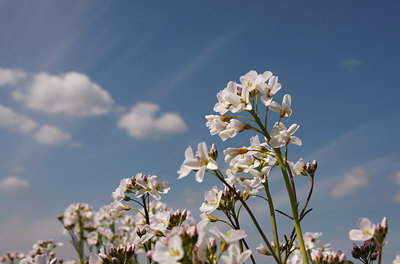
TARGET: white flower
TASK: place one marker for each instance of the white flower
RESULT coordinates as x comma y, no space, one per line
235,257
284,110
397,260
365,232
169,253
230,236
254,80
252,187
269,90
281,137
151,186
223,104
309,239
215,124
199,163
211,200
232,129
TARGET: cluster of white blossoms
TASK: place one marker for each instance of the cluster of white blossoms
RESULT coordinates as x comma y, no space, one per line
163,235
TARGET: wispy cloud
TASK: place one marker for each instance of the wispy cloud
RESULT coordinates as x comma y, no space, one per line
141,122
350,183
351,65
197,62
73,94
396,197
12,185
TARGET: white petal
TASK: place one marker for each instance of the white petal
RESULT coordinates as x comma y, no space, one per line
295,140
293,128
200,174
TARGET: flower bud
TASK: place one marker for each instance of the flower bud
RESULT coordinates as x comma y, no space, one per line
115,261
213,152
374,256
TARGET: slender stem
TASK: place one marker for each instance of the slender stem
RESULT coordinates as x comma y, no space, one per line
273,220
253,218
245,117
288,188
147,216
81,239
380,253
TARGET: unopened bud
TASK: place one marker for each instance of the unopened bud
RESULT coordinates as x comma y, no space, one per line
212,218
115,261
374,256
53,261
226,118
213,152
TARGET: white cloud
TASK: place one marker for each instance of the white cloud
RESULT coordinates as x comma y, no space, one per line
10,77
352,180
141,122
351,64
8,118
51,135
13,184
73,94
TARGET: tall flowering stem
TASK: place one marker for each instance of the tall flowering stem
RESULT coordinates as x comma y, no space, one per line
253,218
289,189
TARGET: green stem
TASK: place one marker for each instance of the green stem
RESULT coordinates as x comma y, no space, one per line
273,220
81,239
147,216
253,218
292,199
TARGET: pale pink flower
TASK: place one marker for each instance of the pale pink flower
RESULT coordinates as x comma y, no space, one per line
397,260
365,232
211,200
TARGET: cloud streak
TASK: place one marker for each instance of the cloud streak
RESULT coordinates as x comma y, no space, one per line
12,185
350,183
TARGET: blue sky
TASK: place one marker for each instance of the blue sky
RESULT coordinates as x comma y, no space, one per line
339,60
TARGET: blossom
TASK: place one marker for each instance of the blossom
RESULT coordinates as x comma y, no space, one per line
253,80
397,260
284,110
169,253
309,239
281,137
151,186
232,129
365,232
199,163
230,236
211,200
235,257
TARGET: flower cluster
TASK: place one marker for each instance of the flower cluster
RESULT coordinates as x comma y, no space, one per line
158,234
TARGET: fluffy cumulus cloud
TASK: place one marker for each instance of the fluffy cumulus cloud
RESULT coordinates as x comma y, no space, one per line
141,122
51,135
14,184
73,94
10,119
11,76
352,180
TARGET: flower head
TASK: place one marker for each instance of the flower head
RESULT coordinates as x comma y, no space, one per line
365,232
